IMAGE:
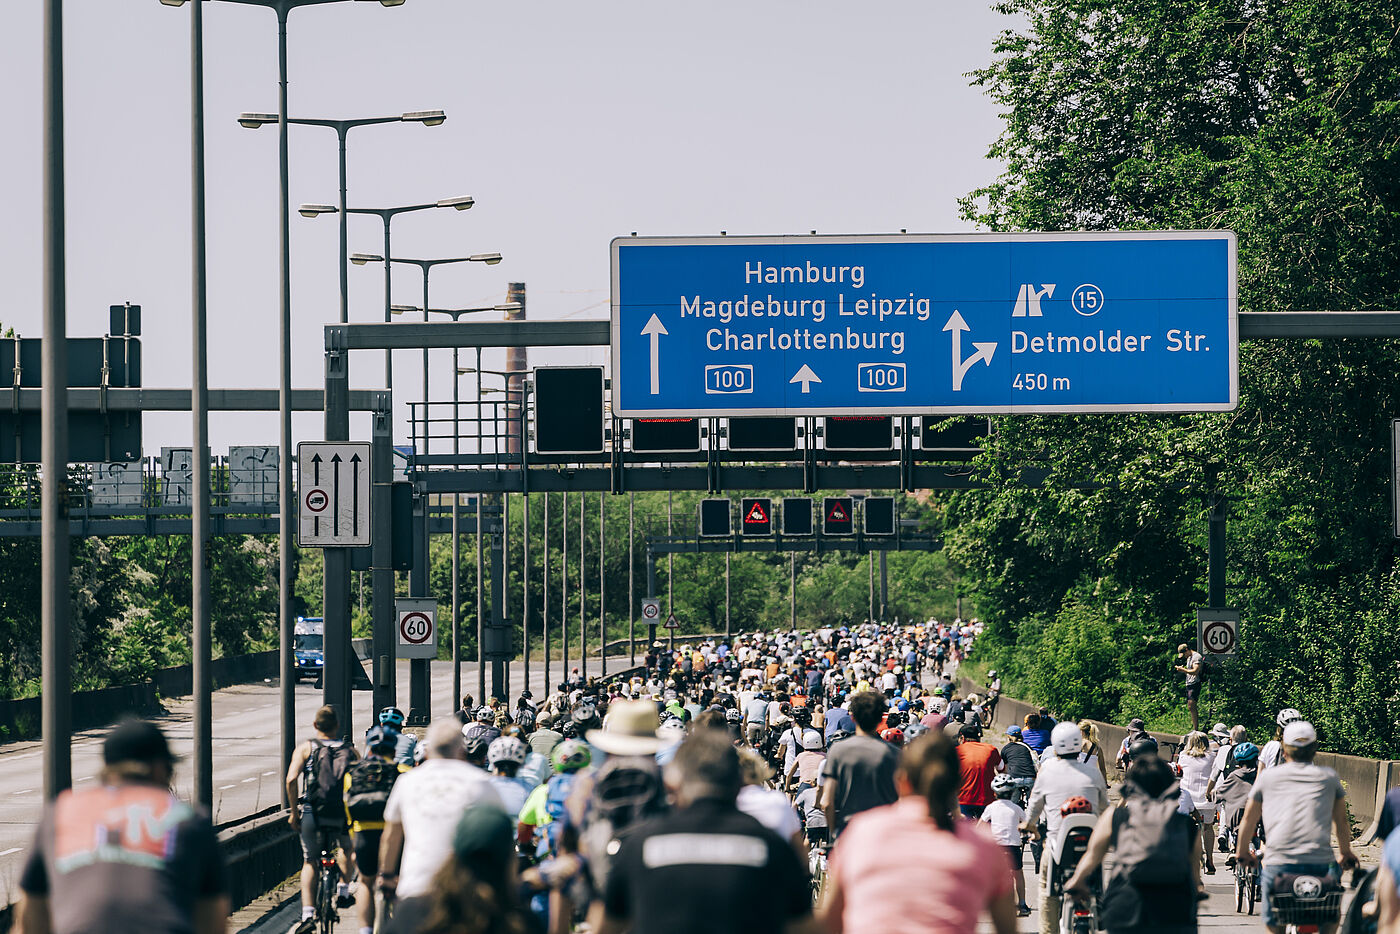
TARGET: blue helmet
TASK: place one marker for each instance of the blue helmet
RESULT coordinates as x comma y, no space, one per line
392,717
1246,752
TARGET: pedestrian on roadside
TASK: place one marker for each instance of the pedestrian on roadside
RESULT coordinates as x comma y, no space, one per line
1189,663
124,856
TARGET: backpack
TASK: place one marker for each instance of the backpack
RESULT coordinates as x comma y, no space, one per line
370,784
627,790
325,777
556,793
1152,839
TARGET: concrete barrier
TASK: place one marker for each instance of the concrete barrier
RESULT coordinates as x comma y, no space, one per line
261,852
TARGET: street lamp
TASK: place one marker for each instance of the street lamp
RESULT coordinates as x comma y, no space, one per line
253,121
386,215
287,670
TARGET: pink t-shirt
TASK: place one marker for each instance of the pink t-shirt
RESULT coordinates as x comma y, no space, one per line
900,873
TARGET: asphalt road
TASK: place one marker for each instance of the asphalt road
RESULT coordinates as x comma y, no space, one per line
247,771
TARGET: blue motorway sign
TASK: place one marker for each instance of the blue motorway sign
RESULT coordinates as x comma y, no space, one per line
914,324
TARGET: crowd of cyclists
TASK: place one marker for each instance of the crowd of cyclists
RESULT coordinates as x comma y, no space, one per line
834,779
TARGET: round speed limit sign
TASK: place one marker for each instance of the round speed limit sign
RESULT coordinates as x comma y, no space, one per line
651,609
1218,637
415,628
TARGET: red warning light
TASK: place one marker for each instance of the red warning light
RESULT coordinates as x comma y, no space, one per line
758,516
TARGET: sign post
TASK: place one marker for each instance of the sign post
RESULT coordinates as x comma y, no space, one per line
1217,633
416,627
1118,321
651,612
672,624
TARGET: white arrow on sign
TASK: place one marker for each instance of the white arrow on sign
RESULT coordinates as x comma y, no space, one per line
985,349
806,377
654,330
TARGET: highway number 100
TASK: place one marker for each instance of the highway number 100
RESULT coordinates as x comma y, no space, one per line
729,378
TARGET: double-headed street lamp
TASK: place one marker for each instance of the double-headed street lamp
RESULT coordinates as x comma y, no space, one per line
203,745
387,215
342,129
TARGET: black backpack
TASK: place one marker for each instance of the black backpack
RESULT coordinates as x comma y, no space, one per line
325,777
627,790
370,784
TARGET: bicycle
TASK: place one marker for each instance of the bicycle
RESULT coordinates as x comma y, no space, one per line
816,866
326,912
1246,877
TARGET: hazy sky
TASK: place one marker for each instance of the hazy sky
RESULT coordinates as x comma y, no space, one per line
569,123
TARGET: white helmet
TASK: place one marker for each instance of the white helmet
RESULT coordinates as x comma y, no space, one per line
1286,716
1065,739
506,749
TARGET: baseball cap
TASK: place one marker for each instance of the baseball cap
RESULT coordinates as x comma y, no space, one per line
1299,733
136,741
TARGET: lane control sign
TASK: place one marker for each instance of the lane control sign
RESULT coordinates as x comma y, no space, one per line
334,490
836,515
417,627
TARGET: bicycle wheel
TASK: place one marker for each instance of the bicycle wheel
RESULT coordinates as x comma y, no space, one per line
1253,889
330,876
1240,886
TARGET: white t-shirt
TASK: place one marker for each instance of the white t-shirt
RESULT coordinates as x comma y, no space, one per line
1004,817
889,681
770,808
1193,660
1271,754
428,801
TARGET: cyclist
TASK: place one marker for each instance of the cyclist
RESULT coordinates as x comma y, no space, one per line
392,719
368,784
1062,777
1300,803
86,872
1004,817
321,762
1232,794
1272,753
1018,762
484,727
504,757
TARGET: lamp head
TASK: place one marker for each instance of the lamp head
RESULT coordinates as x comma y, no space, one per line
252,121
425,117
489,259
507,306
311,210
402,309
173,2
460,204
359,259
391,2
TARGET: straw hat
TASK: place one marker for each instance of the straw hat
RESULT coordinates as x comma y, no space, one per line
630,730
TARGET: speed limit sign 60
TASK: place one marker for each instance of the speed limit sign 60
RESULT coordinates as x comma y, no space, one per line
1218,631
651,610
417,627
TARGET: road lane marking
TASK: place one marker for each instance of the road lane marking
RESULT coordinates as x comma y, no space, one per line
12,850
247,780
225,787
269,773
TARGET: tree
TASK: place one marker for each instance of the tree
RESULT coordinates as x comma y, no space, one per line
1276,121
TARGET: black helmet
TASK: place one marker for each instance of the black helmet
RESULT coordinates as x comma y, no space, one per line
1146,746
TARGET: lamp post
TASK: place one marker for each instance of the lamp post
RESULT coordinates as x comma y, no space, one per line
342,129
456,314
385,681
386,215
287,671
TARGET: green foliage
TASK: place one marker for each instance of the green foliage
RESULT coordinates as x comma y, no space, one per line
1276,121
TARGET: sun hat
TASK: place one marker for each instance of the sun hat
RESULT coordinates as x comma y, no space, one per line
630,730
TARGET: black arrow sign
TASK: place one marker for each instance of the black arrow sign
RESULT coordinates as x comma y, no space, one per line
316,482
355,496
335,495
